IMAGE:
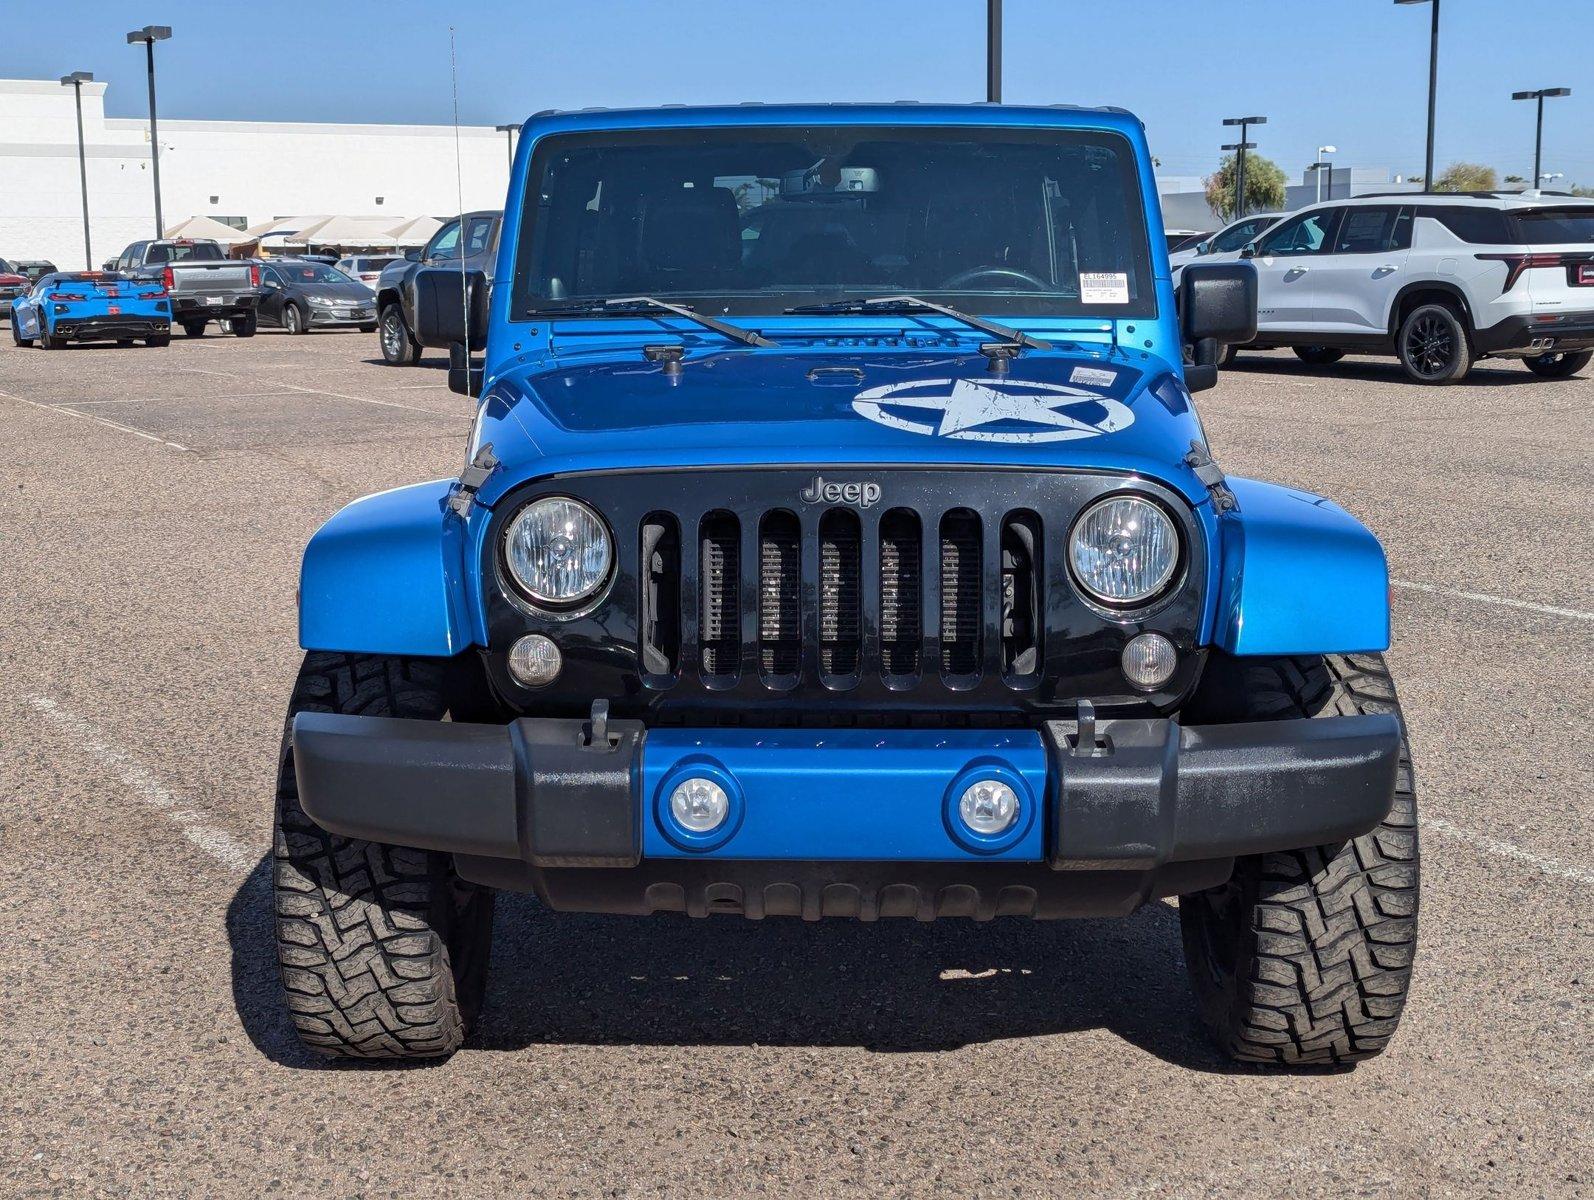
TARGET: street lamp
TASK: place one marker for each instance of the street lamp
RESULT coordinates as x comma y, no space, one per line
1239,148
149,35
1318,167
1433,86
75,81
993,51
509,138
1538,133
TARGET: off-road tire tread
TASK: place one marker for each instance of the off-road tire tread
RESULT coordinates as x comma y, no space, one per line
1331,930
362,928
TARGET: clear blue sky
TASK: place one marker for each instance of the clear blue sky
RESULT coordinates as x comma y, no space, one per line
1348,72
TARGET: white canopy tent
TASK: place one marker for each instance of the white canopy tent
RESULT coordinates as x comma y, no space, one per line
346,233
417,231
208,228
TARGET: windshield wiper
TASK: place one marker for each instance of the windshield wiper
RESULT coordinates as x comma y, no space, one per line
902,304
634,304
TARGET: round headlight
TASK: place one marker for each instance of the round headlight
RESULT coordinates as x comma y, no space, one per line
557,550
1123,550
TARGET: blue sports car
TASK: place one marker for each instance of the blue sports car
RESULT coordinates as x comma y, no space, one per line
92,306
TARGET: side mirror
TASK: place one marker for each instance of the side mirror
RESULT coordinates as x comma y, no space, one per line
1217,308
1248,250
451,310
1204,246
273,286
413,255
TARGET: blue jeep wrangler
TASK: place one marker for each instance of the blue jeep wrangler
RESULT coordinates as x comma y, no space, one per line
837,538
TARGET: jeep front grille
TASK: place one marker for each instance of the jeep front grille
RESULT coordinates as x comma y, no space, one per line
819,613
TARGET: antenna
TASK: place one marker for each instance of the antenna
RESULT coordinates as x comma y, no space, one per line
459,198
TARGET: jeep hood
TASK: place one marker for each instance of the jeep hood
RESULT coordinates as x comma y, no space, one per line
1073,406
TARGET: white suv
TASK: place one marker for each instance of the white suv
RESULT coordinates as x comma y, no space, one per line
1438,280
1224,245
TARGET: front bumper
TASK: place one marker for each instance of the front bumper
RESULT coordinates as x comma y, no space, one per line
352,316
1538,334
847,822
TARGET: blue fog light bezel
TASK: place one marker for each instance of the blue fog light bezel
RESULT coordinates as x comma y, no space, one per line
979,843
699,767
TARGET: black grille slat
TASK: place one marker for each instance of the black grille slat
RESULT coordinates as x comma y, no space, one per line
960,593
659,619
719,635
901,627
779,596
840,583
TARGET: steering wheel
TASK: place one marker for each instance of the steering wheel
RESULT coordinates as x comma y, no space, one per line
964,278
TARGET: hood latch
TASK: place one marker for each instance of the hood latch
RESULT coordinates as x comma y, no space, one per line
471,479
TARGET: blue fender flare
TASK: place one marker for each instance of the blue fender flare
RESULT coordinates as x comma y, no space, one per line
1299,575
385,575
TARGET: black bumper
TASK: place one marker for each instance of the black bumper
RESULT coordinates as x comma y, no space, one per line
91,329
1570,331
193,308
1145,808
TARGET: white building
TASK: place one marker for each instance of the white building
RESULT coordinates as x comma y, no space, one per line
239,172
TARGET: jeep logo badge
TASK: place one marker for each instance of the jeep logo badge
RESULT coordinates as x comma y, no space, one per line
821,490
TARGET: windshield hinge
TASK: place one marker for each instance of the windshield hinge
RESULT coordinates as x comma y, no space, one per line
1211,476
471,480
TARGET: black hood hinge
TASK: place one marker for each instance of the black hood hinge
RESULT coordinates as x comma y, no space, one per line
471,479
1211,475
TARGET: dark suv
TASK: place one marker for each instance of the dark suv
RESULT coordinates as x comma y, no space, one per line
395,291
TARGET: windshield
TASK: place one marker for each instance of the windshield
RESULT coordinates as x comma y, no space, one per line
755,219
1551,226
309,272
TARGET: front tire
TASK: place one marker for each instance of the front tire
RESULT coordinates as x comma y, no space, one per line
293,319
16,333
1433,345
194,329
383,949
1304,957
244,327
399,349
1557,365
1318,356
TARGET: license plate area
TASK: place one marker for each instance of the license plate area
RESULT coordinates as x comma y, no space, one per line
213,300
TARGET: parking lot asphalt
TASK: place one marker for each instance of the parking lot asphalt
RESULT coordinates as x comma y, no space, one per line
152,511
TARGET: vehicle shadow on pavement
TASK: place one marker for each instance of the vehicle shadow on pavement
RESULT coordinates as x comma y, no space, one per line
889,986
1492,373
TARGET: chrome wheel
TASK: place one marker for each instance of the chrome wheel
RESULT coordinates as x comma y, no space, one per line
392,336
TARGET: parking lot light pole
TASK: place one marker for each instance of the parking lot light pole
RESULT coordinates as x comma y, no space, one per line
509,138
1318,167
1239,148
75,81
149,35
1538,128
1433,87
993,51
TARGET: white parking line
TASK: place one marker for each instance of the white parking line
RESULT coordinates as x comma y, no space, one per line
1575,614
218,843
1494,845
309,391
83,416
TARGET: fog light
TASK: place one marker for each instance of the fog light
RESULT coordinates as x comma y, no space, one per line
535,661
1149,660
988,807
699,805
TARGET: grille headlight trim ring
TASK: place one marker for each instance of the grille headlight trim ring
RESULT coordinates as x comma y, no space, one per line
1151,532
557,552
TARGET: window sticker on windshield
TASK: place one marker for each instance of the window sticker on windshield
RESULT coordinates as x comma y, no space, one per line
1103,287
1092,376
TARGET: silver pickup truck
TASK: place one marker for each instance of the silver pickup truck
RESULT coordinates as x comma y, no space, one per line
205,284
